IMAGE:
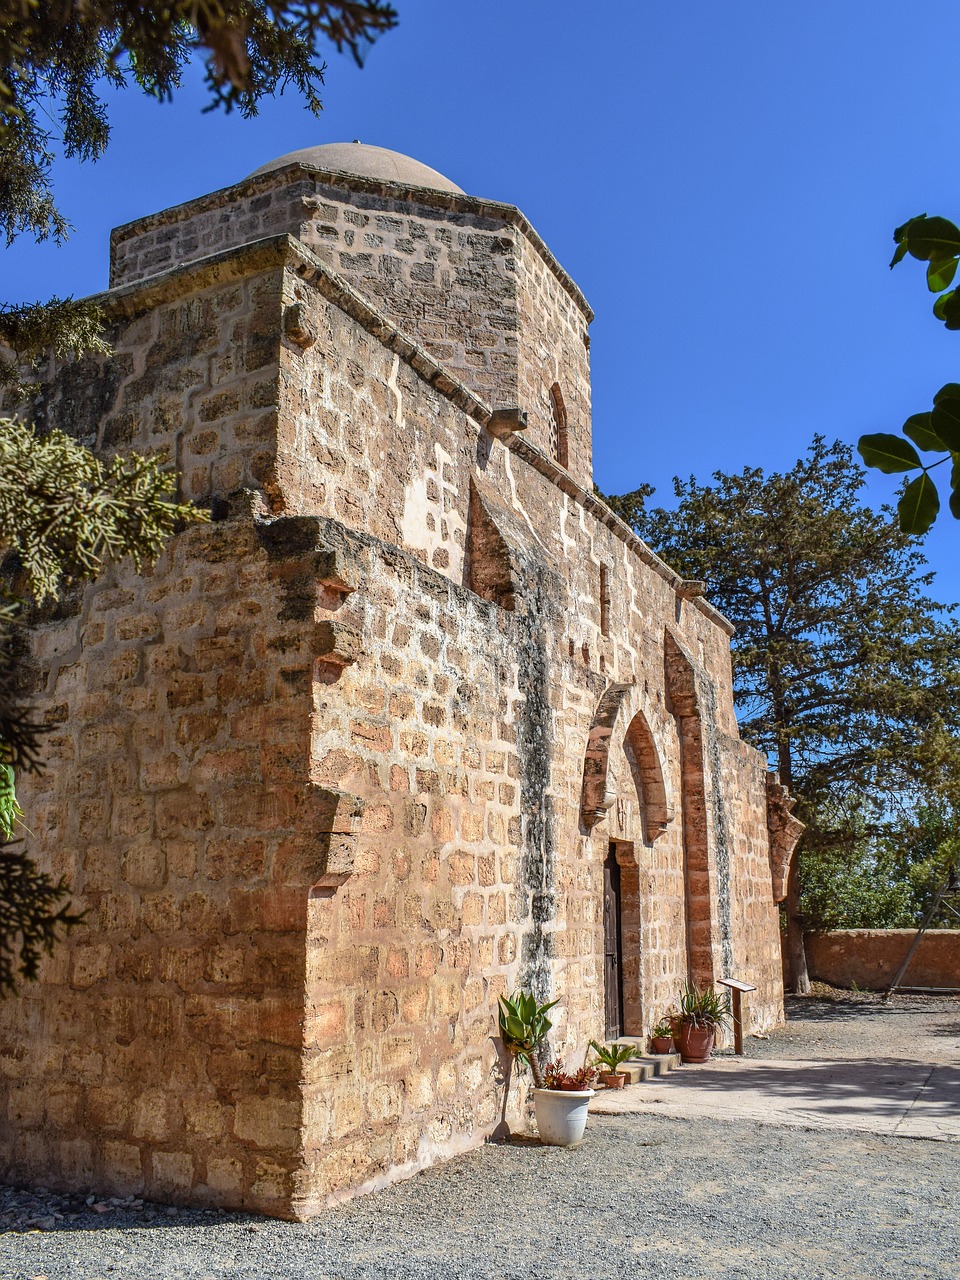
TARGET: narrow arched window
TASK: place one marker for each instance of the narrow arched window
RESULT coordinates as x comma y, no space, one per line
558,430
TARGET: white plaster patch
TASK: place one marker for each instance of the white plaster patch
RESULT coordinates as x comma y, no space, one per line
429,523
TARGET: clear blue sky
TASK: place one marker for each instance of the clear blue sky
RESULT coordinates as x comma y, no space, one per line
721,180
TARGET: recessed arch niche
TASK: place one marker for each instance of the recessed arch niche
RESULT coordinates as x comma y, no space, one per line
698,897
617,707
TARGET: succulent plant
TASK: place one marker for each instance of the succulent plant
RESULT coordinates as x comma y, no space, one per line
524,1027
612,1055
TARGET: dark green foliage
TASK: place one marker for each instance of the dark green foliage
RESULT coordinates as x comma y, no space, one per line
845,672
702,1008
63,513
63,510
935,241
56,57
524,1027
628,506
885,879
32,331
33,911
612,1056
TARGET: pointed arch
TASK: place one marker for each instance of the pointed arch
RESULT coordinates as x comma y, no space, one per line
642,755
645,765
558,432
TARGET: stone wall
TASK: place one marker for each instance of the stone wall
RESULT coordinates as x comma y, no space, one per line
870,958
349,761
161,1051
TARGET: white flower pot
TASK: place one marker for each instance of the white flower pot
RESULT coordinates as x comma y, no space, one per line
561,1115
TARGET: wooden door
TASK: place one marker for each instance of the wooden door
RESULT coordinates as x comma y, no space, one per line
612,949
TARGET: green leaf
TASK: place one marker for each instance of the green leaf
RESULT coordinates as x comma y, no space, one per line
955,504
920,431
940,274
901,231
947,309
930,239
888,453
899,256
945,421
949,391
919,505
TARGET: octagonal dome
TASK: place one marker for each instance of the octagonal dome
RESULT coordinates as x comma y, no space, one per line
366,162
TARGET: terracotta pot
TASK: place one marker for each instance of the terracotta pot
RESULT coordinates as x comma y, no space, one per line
695,1044
613,1079
661,1044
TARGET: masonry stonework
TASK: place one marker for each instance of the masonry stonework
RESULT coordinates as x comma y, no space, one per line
377,743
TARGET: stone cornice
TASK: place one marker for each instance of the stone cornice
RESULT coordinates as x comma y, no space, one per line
454,202
599,509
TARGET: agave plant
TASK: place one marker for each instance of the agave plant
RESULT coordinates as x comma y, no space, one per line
702,1008
524,1027
612,1055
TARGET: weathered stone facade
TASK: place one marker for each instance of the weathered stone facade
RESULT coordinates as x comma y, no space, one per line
363,752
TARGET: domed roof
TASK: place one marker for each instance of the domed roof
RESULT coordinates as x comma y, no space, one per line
366,162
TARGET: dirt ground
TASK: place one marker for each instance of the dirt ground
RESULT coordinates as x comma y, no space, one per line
649,1196
853,1024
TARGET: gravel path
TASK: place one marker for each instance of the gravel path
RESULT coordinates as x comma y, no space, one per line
854,1024
644,1197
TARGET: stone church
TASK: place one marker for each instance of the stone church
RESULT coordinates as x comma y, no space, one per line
414,720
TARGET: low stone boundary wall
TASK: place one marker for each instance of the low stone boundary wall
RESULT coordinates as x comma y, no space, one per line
869,958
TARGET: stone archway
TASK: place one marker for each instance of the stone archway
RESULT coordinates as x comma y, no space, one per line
620,705
643,757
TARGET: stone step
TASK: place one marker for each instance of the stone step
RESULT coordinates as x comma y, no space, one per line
661,1063
636,1070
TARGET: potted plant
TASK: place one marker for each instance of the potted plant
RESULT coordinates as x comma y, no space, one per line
560,1098
612,1057
661,1037
695,1026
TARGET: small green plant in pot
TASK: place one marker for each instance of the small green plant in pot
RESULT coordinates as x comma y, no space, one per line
560,1098
612,1057
661,1037
524,1027
695,1026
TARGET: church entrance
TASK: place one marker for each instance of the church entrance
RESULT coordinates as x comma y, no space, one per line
612,947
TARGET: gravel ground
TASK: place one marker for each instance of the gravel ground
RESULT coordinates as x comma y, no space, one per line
643,1196
852,1024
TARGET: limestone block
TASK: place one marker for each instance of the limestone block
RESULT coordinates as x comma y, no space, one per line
125,1165
337,643
267,1122
172,1174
